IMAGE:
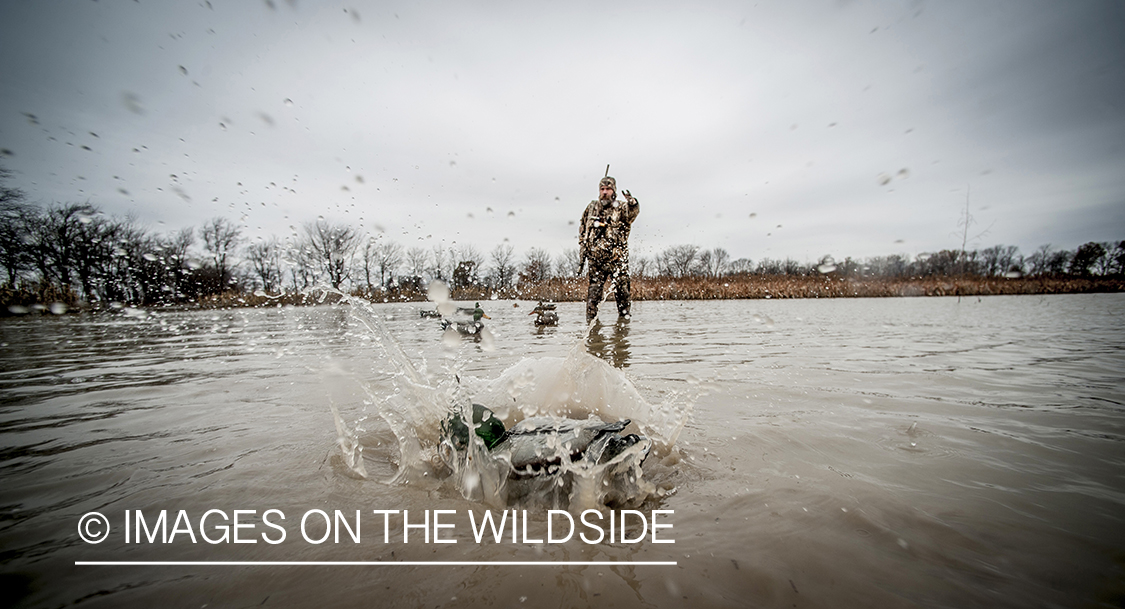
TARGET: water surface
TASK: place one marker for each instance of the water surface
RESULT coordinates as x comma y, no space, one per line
926,452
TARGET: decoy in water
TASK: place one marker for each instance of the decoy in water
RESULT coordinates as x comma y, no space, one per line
466,328
434,313
546,314
538,446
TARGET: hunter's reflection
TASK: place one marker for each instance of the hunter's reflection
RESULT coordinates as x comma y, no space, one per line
610,343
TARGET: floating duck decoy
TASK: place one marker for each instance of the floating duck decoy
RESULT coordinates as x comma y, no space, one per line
466,328
546,314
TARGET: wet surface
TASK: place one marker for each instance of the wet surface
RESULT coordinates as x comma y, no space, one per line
886,452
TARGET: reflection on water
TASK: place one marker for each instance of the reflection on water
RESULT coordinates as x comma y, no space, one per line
843,453
610,343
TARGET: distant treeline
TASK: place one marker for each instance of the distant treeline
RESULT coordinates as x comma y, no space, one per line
73,254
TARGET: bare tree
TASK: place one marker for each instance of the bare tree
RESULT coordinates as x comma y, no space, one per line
769,266
1058,262
467,253
303,268
721,260
567,264
537,266
742,266
1038,261
895,265
265,258
332,247
16,219
1086,257
503,266
712,263
416,259
677,261
467,262
220,238
1117,256
640,266
1011,261
177,245
440,268
792,267
1107,263
388,257
367,260
999,260
55,238
93,252
702,264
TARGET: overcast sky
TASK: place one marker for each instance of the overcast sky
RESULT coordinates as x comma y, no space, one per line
772,129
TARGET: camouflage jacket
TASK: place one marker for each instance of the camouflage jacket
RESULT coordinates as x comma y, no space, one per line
603,235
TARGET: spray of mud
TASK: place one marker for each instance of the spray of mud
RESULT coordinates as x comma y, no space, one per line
562,390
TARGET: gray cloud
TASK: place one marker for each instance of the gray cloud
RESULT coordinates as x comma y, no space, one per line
415,117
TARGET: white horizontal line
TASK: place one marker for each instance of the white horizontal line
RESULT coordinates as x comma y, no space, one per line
369,563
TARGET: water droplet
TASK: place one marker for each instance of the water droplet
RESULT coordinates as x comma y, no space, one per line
450,339
437,292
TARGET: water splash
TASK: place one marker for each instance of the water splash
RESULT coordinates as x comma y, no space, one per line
568,388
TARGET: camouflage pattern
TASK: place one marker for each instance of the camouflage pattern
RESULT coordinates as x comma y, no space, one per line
603,242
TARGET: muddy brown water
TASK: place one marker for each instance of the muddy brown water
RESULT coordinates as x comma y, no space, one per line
916,452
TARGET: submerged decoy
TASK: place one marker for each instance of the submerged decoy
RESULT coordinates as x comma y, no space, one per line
543,445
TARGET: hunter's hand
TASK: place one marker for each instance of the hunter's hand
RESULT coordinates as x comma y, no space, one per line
628,197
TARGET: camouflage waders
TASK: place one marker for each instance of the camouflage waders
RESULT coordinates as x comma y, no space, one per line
598,275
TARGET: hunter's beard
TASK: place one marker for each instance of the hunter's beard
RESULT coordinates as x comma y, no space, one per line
610,197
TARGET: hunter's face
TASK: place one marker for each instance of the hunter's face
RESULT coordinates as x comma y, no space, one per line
606,192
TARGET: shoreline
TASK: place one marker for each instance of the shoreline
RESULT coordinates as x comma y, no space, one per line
573,289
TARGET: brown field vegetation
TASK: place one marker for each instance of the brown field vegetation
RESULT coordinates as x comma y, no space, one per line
573,289
34,296
785,286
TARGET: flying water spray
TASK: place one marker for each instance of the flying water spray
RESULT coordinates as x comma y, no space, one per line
563,432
